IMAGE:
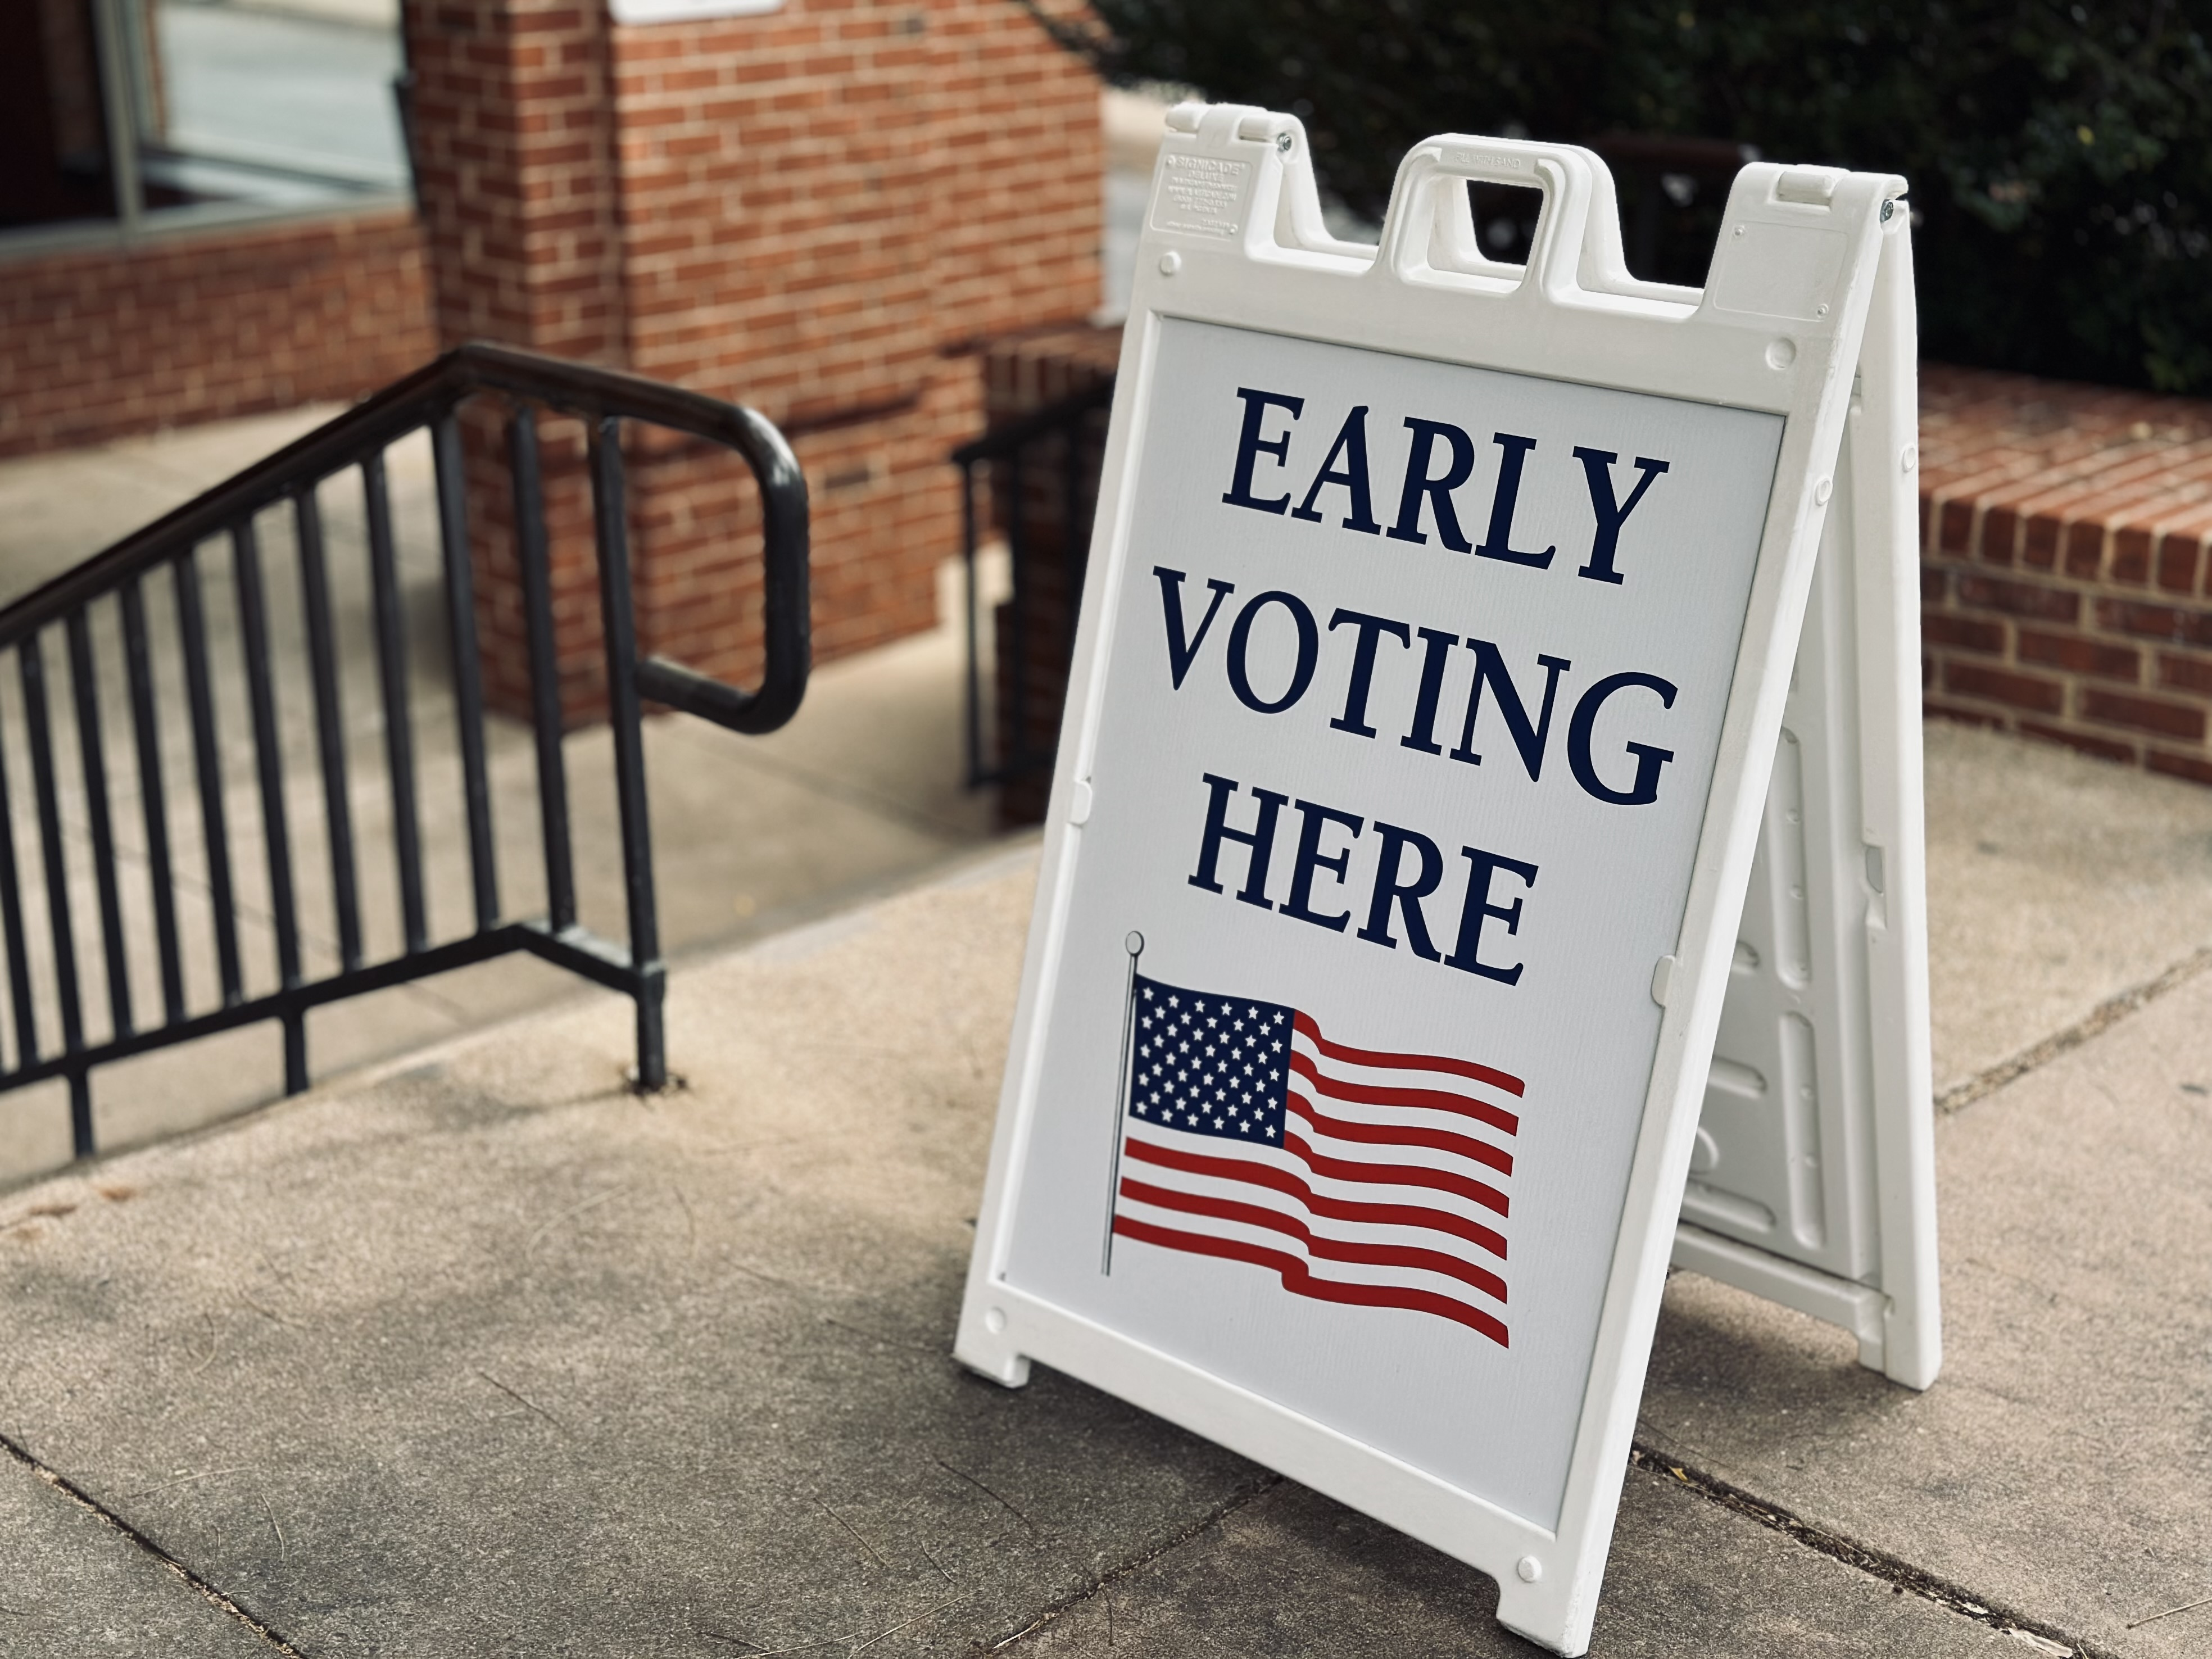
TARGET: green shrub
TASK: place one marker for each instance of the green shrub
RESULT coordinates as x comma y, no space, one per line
2060,155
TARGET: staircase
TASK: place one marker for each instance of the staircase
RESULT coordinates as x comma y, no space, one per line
246,770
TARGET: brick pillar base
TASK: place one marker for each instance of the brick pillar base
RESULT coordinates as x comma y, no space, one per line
2066,579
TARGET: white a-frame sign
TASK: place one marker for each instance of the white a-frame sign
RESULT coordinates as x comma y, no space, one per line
1422,750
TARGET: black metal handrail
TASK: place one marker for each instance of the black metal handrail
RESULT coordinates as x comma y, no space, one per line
1053,438
430,398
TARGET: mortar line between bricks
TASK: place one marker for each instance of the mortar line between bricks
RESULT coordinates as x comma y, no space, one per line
1891,1569
1212,1518
2099,1019
222,1603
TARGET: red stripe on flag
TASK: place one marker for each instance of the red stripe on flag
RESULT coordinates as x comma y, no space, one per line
1336,1209
1328,1249
1298,1278
1496,1079
1399,1174
1372,1094
1402,1134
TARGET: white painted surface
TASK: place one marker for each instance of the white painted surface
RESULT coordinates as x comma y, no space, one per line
1571,338
687,11
1579,1027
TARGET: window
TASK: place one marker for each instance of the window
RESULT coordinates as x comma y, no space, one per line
139,115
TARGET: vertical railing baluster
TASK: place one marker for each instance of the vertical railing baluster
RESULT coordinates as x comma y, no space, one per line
207,771
468,670
11,922
975,684
398,722
92,753
330,718
31,661
268,760
1013,743
153,799
531,554
611,530
1071,541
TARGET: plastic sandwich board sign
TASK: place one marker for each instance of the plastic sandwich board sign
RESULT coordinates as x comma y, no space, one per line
1436,648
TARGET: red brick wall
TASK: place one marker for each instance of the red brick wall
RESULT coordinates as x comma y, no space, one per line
1022,373
823,209
2066,584
515,163
818,212
97,344
818,203
516,173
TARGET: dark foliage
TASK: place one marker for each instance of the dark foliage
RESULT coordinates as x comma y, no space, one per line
2060,155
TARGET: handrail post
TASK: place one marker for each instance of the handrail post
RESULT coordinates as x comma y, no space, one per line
533,557
974,724
268,765
31,663
611,530
451,470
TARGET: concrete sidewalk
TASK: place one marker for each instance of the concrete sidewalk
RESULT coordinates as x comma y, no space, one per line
482,1355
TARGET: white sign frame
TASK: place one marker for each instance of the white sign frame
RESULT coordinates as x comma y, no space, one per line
1853,725
1775,331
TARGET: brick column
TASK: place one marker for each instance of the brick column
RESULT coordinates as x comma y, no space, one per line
514,154
820,212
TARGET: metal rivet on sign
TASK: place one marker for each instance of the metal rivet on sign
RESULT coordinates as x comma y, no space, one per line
1283,142
1529,1569
1780,353
1908,457
1822,492
1820,311
1170,263
995,1321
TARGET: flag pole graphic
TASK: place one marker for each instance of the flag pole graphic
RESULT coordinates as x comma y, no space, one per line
1134,944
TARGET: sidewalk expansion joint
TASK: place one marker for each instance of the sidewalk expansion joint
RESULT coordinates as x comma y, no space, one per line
2105,1015
1899,1575
1104,1586
207,1592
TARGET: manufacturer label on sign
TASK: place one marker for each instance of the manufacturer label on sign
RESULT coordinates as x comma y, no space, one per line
1418,674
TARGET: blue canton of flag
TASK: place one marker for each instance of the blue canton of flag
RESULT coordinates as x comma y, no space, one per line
1211,1066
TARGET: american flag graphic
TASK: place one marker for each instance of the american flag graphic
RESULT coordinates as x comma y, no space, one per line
1357,1175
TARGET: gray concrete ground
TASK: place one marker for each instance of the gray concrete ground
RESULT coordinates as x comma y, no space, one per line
480,1354
474,1352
